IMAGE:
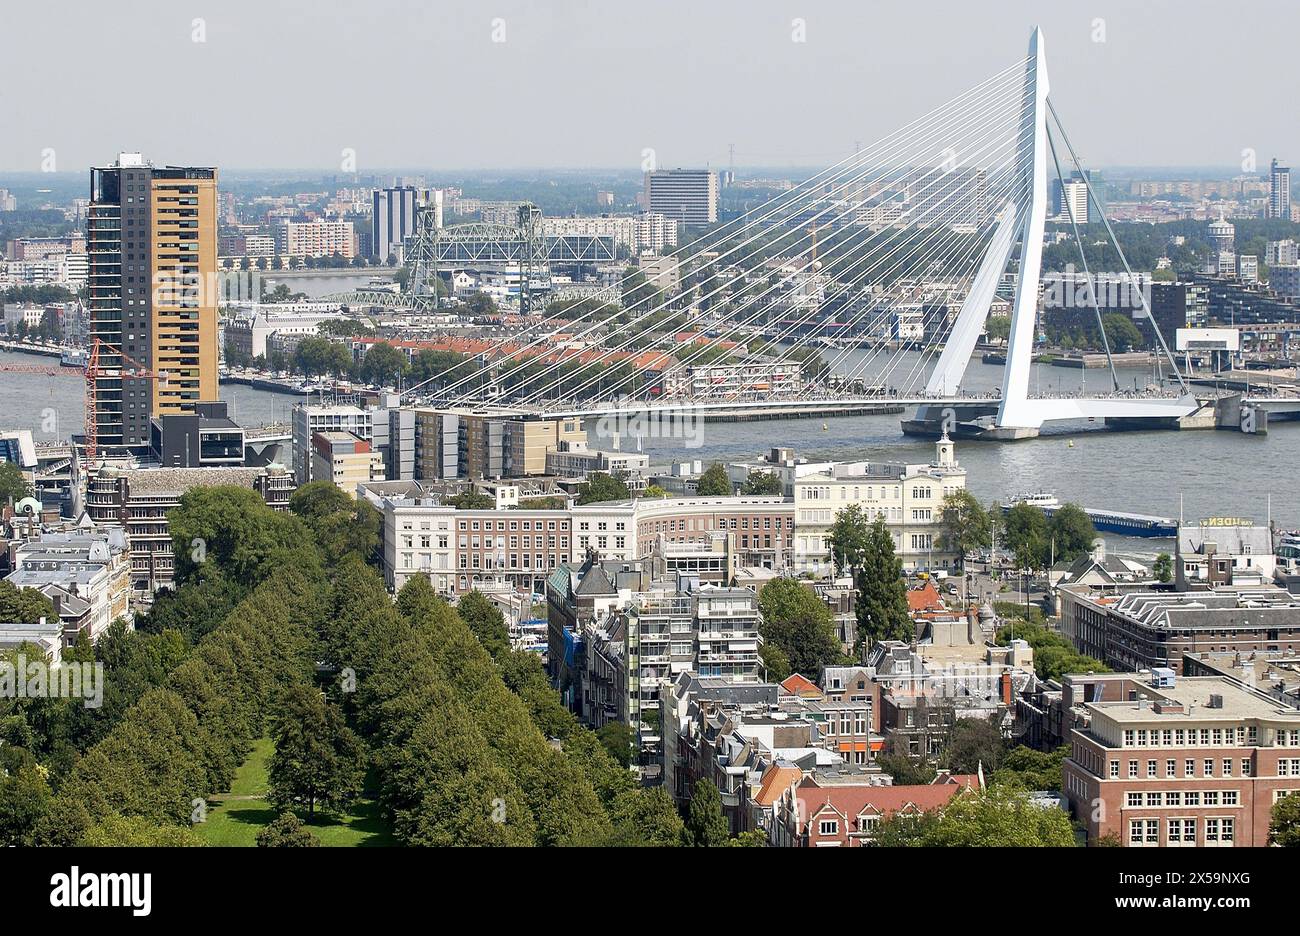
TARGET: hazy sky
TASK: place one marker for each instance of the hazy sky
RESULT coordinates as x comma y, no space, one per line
581,83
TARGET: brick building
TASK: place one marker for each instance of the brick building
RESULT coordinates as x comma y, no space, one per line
1158,760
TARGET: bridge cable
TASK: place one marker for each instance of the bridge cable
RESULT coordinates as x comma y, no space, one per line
1083,258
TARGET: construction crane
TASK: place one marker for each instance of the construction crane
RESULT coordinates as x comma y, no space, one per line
92,372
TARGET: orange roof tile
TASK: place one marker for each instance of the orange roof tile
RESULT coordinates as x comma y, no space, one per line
776,780
799,685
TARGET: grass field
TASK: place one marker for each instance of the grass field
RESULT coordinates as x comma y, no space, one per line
235,818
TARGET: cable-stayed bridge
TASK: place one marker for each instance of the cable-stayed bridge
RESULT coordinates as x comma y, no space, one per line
873,255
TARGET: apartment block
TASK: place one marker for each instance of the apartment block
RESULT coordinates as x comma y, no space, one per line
1158,760
345,460
686,195
316,239
151,243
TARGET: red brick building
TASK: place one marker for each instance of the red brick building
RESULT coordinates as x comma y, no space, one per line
844,815
1163,761
522,547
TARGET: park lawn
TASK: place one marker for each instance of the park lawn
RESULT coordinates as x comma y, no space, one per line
235,818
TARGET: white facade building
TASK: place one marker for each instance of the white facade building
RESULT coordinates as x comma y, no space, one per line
908,497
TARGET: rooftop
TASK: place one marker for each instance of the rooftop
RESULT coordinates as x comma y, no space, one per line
1190,697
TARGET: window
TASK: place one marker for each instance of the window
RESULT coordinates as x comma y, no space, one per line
1189,768
1135,799
1182,831
1209,767
1132,769
1227,766
1114,770
1171,768
1151,768
828,827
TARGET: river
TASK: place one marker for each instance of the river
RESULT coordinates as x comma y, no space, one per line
1205,472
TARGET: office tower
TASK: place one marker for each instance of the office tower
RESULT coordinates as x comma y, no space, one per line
687,195
393,219
152,246
1073,202
1279,191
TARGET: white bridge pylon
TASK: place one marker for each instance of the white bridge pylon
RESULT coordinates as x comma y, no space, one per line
1017,410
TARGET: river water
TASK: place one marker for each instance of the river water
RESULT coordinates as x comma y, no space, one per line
1203,473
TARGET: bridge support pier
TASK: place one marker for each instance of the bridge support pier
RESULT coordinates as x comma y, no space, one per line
1233,412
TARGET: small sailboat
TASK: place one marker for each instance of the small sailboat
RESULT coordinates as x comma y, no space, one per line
824,428
1069,444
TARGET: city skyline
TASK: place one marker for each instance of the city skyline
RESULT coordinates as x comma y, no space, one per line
779,105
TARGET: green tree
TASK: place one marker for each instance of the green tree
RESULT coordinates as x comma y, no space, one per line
1025,535
619,740
882,608
600,487
1163,568
1032,770
998,817
384,365
998,328
486,621
906,770
471,500
763,483
118,831
232,530
341,525
850,536
481,304
1284,822
1123,334
966,525
286,831
24,800
1054,655
13,485
318,761
706,826
654,490
714,482
1072,533
23,605
775,662
972,743
319,356
647,817
798,624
